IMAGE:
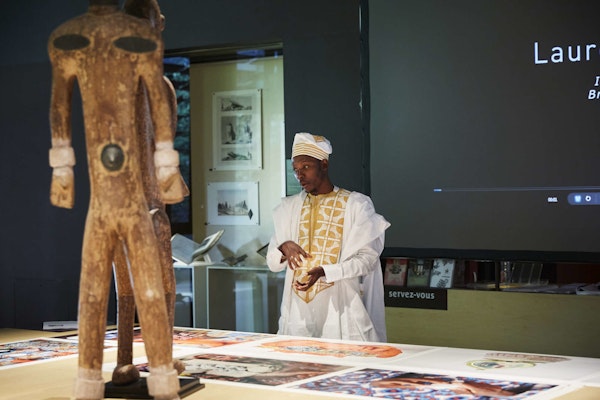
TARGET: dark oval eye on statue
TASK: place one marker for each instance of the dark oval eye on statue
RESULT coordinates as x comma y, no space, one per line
71,42
135,44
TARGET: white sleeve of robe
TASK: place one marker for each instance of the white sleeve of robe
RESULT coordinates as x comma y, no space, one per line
363,242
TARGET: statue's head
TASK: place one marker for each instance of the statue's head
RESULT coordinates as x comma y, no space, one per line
146,9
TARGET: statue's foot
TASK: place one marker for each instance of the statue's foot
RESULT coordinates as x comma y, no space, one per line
179,366
125,374
163,383
89,385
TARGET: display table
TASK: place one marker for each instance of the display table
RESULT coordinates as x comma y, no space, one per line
53,379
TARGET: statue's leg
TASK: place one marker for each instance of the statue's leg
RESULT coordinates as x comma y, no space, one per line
125,372
145,266
94,287
162,228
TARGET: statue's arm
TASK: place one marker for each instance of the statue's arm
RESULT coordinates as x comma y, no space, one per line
166,159
62,156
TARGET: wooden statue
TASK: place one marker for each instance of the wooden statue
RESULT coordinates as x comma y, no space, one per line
125,372
111,54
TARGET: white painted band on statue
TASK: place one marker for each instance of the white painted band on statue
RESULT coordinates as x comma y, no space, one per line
62,157
89,388
162,381
166,158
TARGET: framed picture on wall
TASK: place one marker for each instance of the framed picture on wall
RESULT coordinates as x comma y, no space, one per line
237,129
232,203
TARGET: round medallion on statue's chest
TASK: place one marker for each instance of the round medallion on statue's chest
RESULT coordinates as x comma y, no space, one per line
112,157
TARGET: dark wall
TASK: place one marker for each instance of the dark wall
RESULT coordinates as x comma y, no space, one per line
40,245
321,42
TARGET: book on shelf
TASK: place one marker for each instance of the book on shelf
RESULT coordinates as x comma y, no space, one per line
460,268
395,271
419,271
442,273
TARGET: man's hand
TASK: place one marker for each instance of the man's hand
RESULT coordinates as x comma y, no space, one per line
312,277
294,254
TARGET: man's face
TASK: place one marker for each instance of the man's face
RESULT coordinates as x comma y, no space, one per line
311,173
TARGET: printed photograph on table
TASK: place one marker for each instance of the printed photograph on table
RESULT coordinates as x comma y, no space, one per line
327,350
202,338
442,273
232,203
111,335
419,271
209,338
505,364
237,130
503,360
250,370
197,337
395,271
25,352
330,349
388,384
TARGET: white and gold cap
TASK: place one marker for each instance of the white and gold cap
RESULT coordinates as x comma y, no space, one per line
315,146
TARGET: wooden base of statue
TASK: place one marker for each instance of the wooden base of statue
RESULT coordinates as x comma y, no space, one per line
139,389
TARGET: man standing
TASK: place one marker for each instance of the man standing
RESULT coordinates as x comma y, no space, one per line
331,240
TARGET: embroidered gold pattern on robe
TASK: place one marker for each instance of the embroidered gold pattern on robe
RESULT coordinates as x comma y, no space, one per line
320,234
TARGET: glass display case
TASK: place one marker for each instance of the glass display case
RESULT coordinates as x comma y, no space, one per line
241,298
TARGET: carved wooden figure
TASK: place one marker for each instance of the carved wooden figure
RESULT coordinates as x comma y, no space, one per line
110,54
125,372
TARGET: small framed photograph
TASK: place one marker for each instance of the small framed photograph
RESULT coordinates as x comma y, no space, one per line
442,273
232,203
237,130
419,271
395,271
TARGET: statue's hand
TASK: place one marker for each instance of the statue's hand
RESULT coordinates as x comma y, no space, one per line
172,186
166,162
62,188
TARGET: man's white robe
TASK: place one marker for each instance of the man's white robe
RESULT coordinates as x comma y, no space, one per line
353,308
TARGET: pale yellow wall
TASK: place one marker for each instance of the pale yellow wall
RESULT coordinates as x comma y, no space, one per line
490,320
206,78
